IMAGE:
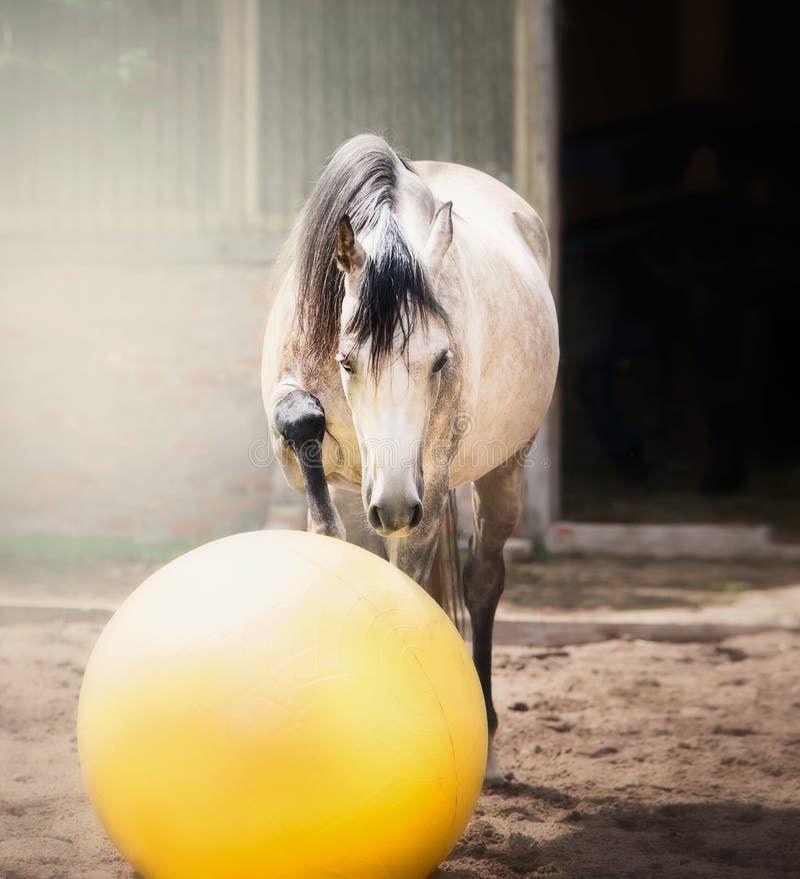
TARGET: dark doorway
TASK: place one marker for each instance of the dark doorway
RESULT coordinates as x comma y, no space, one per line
680,308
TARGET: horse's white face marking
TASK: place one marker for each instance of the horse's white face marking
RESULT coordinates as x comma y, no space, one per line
391,412
391,406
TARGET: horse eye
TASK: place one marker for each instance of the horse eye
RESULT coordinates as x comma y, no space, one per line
440,362
345,362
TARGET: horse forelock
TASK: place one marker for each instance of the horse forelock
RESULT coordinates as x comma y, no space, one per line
395,294
361,180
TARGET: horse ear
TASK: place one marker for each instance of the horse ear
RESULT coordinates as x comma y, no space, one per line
441,235
349,253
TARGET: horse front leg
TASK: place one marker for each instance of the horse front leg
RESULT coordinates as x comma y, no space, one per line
359,532
496,505
300,420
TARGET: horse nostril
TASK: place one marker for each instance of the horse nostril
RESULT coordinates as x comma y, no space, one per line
374,516
387,520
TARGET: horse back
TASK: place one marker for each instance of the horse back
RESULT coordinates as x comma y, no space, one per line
489,209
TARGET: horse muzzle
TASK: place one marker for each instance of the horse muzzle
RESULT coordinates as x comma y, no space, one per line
394,519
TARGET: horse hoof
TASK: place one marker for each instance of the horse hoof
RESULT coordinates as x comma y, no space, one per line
494,774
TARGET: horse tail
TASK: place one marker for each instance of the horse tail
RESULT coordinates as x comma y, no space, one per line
445,582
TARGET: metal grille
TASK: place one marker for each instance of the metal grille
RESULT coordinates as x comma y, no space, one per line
110,114
434,76
129,115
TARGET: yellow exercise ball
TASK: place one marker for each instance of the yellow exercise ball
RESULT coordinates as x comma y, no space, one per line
281,705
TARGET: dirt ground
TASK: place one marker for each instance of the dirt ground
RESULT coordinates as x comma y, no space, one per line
625,759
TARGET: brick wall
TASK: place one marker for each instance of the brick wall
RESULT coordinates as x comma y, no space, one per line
131,401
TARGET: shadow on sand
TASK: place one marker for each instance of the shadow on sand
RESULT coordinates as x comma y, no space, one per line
618,839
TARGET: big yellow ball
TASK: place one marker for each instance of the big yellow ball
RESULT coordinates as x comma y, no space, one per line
281,705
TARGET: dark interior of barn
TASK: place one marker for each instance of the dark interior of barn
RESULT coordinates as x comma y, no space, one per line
679,307
679,304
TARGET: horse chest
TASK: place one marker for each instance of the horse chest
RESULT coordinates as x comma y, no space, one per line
341,457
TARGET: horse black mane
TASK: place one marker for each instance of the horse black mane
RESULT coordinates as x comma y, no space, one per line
360,181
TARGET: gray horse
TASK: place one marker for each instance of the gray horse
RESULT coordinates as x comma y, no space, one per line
412,348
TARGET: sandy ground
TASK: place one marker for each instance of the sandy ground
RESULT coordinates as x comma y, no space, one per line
626,759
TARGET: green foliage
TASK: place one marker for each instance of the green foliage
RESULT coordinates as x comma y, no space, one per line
76,551
735,587
99,45
540,552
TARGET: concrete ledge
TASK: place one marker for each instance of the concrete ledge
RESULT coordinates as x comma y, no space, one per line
564,633
724,542
517,549
754,612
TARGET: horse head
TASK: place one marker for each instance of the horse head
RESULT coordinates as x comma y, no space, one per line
394,353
